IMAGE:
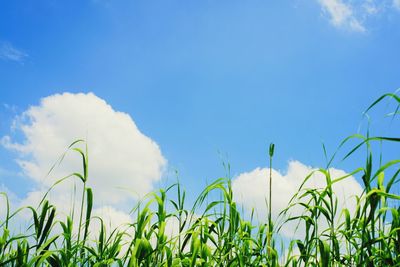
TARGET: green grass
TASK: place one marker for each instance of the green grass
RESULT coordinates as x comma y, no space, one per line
220,235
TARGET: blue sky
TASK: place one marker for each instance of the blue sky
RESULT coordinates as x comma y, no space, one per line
205,77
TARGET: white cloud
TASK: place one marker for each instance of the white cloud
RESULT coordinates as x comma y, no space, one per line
9,52
112,219
251,190
355,15
123,162
341,15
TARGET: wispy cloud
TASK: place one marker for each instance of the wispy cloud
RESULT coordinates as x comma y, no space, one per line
341,15
354,15
11,53
370,8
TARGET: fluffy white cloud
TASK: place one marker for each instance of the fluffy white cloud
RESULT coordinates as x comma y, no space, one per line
112,219
123,162
341,14
251,189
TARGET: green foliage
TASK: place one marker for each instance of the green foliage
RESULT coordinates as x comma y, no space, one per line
221,236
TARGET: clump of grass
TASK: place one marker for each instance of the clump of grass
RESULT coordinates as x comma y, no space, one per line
219,235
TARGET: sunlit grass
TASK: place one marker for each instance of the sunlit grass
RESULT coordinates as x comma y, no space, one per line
214,232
